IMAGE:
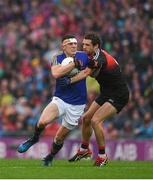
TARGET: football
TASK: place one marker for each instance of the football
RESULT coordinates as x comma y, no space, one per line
74,71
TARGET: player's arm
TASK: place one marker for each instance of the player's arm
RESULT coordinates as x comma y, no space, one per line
81,75
59,70
65,81
86,72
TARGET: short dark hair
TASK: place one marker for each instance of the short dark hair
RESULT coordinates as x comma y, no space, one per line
67,37
95,39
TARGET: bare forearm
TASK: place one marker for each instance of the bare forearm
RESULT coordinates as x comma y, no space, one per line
59,70
81,75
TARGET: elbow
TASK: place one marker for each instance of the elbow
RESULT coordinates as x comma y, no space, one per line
87,74
55,75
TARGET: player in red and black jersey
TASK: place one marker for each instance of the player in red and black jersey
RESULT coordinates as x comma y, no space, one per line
114,95
113,87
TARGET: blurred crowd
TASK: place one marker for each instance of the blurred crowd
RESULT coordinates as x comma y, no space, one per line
30,33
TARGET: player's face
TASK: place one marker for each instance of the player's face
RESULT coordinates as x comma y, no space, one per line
88,46
70,48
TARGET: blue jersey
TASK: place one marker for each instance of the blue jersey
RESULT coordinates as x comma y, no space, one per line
76,93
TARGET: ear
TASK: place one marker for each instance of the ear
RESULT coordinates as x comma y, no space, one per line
62,47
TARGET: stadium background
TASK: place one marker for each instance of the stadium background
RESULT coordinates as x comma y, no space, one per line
31,31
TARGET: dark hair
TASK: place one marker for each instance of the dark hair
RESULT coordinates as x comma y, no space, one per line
67,37
95,39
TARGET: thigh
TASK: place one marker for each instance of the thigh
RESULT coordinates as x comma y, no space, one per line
60,104
50,113
105,111
90,112
117,100
72,114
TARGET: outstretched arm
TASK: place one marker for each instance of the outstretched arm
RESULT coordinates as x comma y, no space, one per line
86,72
81,75
65,81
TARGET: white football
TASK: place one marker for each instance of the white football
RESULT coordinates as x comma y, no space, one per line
66,61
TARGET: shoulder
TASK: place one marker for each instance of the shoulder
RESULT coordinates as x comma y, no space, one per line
107,54
56,57
60,53
81,54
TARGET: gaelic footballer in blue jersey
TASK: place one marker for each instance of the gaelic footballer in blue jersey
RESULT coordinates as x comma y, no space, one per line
68,102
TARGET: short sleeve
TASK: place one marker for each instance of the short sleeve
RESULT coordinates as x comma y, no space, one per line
53,60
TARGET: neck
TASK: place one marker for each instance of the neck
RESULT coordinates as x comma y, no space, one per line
69,55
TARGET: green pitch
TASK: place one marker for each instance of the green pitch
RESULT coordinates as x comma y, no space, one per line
61,169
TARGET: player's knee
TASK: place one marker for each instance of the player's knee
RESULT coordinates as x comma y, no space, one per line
87,119
87,115
94,122
86,122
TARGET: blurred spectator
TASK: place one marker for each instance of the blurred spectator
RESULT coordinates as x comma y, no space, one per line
146,130
111,132
30,33
6,98
127,130
136,119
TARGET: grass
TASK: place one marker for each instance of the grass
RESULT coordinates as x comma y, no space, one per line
62,169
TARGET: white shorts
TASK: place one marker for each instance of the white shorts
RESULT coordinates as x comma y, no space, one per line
70,113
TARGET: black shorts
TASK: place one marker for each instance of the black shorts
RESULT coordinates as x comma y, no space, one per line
117,100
